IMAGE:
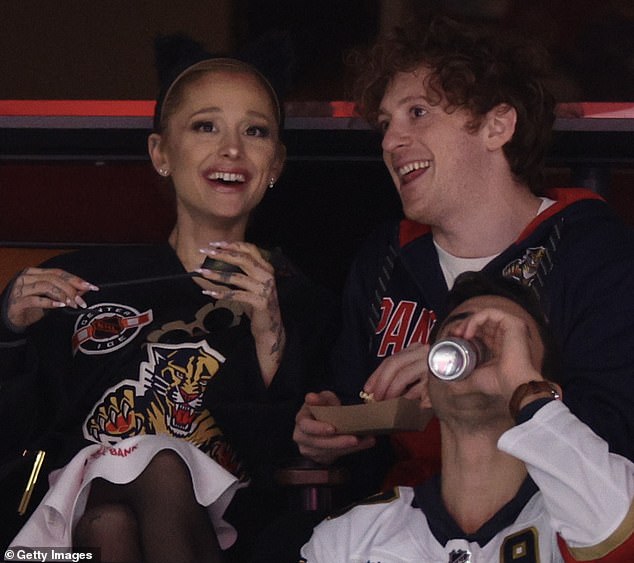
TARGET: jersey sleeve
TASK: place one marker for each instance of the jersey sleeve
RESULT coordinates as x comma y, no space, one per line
317,551
588,491
22,390
12,343
591,310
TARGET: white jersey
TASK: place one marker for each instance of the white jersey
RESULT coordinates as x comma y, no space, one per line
577,490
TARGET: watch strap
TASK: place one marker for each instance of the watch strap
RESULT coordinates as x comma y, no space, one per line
532,388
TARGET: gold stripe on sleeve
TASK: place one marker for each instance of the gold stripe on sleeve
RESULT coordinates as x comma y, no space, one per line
618,537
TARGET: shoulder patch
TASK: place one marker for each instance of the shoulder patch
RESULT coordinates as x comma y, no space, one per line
521,547
378,498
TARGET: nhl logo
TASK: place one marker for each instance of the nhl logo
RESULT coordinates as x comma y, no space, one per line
459,556
106,327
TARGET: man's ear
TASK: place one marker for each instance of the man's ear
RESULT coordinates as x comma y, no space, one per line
154,149
500,126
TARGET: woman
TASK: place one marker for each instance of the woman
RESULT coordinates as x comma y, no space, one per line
190,375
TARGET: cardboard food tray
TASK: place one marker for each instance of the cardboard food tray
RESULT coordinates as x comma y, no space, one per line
381,417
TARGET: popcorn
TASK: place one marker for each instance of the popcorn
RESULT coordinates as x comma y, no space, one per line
367,397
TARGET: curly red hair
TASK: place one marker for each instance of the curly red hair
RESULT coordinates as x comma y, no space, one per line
472,68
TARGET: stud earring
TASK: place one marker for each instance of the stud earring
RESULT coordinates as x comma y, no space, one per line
163,172
271,183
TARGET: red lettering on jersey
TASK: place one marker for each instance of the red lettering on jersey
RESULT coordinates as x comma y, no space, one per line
387,305
423,327
396,322
122,452
397,329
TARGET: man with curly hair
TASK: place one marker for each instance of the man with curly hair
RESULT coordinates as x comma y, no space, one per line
466,120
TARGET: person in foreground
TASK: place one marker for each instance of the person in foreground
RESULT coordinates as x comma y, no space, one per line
164,397
522,478
466,119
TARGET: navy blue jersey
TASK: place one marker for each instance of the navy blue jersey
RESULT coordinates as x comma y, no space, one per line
162,357
577,256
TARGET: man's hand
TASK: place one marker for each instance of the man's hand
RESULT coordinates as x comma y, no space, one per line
318,440
403,374
514,343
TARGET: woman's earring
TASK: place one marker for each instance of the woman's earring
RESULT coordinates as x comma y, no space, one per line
163,172
271,183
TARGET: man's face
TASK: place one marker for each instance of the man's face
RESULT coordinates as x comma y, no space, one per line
516,347
434,161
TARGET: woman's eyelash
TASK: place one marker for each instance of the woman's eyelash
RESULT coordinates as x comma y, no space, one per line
205,126
252,131
258,131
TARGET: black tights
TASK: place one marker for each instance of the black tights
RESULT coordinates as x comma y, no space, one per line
154,518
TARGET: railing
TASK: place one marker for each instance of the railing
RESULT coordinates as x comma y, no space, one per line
589,138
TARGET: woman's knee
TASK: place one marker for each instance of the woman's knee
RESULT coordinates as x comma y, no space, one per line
168,462
106,523
166,478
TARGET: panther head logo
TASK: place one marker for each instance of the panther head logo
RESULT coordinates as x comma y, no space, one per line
524,269
179,375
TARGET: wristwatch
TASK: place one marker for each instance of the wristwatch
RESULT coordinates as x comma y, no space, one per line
532,388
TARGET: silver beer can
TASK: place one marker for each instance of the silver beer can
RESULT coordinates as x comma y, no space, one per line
453,359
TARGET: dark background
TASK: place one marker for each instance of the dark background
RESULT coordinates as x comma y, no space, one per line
102,49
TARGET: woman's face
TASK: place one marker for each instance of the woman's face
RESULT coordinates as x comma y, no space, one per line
221,147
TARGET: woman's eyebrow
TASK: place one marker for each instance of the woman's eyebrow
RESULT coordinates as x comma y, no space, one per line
208,109
215,109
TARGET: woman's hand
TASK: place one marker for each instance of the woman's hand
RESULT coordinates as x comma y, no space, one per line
37,290
255,289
